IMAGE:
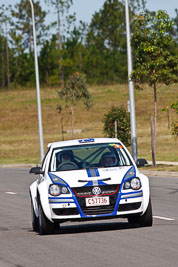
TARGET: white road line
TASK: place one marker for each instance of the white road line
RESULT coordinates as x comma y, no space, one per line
11,193
163,218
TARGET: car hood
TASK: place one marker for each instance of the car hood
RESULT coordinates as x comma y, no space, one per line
93,177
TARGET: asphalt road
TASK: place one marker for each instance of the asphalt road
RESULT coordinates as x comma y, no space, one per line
105,243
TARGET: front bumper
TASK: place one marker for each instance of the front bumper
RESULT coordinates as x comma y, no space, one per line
74,207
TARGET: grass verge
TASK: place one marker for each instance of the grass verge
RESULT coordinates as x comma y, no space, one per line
19,141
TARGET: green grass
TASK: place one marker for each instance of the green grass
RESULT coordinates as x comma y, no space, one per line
160,167
19,142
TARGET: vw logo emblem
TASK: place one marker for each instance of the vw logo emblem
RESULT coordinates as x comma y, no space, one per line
96,190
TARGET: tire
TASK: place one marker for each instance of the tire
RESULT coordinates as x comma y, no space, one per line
146,220
45,227
34,218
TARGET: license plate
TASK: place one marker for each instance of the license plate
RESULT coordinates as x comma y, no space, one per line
97,201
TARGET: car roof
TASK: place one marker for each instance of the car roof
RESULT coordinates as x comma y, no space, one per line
79,142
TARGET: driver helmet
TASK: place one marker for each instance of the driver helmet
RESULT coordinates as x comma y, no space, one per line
65,156
109,159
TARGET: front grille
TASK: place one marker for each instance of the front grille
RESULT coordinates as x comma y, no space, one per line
87,190
82,193
130,206
98,210
66,211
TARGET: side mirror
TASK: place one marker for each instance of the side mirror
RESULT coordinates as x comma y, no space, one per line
36,170
141,162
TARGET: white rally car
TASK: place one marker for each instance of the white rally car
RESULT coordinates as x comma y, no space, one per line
88,179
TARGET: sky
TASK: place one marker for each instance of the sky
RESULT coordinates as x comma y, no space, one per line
84,9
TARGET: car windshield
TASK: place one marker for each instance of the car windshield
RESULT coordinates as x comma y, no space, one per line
88,156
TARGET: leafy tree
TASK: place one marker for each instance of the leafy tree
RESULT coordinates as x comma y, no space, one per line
154,63
18,56
5,21
2,60
74,51
49,63
21,33
25,75
106,43
23,22
175,20
107,28
174,129
123,124
136,5
105,40
60,7
75,90
175,32
174,125
174,106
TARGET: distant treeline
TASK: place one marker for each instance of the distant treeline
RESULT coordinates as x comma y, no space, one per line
97,50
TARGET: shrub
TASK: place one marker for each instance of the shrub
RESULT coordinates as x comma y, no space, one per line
174,129
174,125
123,124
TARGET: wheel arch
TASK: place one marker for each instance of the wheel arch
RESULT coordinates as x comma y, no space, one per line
42,195
146,191
33,195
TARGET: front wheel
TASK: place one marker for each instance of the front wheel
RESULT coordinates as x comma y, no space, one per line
44,225
145,220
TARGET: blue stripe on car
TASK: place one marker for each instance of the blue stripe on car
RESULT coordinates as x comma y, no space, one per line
93,172
101,182
90,183
129,174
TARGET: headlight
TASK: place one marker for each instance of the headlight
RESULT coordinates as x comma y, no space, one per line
56,190
127,185
133,183
64,190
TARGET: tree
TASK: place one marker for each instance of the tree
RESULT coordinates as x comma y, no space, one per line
23,22
60,7
2,60
75,90
106,43
175,32
21,33
121,116
136,5
5,20
74,51
49,63
154,63
175,20
17,62
174,125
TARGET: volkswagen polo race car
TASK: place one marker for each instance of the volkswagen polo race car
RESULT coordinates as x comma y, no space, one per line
88,179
